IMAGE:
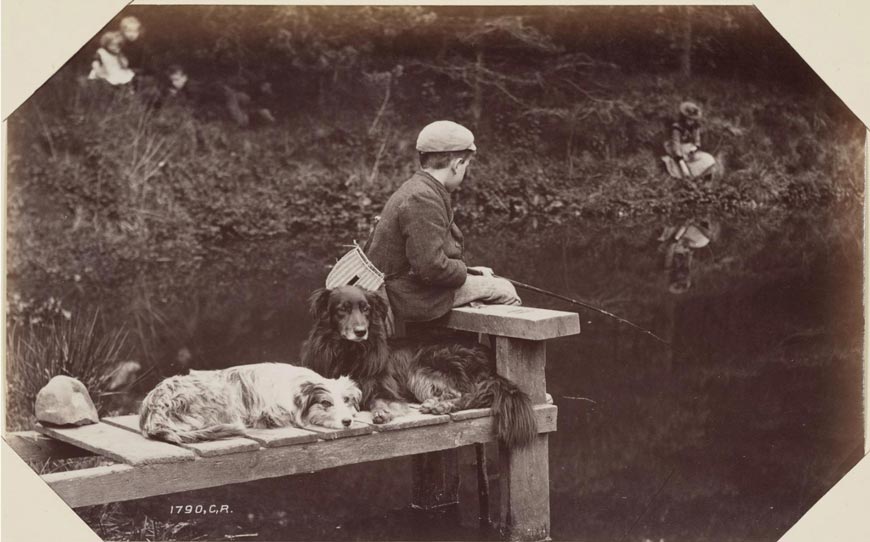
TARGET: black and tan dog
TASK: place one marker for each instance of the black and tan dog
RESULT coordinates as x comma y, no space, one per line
348,338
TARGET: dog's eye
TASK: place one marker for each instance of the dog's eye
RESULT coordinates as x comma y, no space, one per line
326,403
364,309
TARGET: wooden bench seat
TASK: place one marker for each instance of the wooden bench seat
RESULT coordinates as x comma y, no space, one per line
146,468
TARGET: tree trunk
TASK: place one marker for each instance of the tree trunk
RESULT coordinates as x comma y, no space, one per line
686,50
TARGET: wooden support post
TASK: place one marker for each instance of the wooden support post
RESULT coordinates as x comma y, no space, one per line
524,479
482,485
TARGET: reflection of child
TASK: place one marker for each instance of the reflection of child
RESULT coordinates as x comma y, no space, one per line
679,243
109,62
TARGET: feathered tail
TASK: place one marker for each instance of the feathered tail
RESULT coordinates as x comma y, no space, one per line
155,424
515,423
212,432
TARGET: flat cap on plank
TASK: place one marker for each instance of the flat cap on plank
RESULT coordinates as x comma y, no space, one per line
513,321
118,444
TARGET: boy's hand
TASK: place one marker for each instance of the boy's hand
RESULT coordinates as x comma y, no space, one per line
480,270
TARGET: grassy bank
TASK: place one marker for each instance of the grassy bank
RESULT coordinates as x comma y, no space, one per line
100,179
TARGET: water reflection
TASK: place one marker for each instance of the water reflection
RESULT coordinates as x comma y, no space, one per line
732,433
678,243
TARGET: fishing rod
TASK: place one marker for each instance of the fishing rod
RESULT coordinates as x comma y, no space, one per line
529,287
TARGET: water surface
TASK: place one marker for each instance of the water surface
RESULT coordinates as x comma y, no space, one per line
731,434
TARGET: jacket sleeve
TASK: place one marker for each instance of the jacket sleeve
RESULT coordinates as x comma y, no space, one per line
424,224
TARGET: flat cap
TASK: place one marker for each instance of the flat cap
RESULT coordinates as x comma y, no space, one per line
445,136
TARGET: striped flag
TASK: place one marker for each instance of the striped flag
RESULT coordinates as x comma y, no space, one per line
354,268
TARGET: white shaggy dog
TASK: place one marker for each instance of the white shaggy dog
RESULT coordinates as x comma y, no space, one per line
208,405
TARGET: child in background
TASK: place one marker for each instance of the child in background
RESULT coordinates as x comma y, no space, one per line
177,81
684,158
133,48
217,96
109,62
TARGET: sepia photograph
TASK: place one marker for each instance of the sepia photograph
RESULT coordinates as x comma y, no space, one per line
443,272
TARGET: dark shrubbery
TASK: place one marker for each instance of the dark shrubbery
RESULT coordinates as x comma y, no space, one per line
107,170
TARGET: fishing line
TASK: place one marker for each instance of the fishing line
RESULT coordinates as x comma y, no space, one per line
583,304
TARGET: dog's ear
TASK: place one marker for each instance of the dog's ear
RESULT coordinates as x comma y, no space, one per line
318,303
307,395
351,389
378,304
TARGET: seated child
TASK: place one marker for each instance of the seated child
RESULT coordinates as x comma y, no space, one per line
236,103
178,81
109,62
684,159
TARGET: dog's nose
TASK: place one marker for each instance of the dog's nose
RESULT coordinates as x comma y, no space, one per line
346,422
360,332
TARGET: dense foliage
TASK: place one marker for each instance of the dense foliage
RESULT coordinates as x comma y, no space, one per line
569,107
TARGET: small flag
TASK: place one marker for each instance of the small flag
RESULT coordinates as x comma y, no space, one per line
355,269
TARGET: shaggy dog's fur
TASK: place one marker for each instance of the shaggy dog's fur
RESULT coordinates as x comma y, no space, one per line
208,405
348,338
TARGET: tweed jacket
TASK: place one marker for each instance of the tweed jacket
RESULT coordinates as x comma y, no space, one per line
419,249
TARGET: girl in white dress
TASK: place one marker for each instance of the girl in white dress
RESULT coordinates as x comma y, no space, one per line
109,63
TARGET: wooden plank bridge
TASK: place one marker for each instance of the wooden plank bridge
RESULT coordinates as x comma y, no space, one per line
146,468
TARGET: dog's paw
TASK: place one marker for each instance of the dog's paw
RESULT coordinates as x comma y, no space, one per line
381,415
436,406
427,405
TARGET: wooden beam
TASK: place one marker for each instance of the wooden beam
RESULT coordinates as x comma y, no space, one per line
282,436
525,491
512,321
411,420
100,485
525,477
208,448
35,448
469,414
118,444
523,362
